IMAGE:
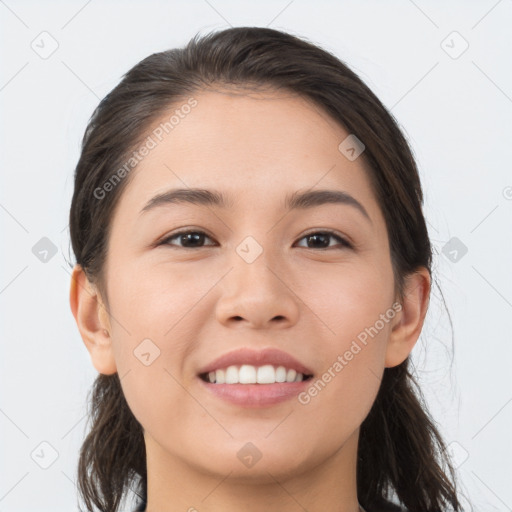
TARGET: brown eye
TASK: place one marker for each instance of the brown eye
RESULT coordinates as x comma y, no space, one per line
320,240
195,240
188,239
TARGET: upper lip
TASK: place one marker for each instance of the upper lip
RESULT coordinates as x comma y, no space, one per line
253,357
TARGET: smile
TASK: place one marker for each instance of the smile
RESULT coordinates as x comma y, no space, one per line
249,374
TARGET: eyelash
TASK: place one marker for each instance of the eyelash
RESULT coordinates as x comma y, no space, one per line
343,242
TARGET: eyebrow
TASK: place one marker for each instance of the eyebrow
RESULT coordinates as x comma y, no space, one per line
296,201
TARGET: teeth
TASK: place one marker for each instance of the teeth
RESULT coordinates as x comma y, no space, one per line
280,374
248,374
231,375
219,377
290,376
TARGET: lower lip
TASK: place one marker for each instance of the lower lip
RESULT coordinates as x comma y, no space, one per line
256,395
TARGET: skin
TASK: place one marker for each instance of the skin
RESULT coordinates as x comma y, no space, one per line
196,304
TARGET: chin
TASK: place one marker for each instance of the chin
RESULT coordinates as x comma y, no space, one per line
254,459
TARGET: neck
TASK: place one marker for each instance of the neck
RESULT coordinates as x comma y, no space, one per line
175,486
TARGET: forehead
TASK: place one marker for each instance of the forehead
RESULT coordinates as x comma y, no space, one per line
255,146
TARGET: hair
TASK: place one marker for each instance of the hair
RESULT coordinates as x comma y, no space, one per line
400,452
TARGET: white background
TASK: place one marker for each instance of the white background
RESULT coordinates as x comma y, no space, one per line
456,112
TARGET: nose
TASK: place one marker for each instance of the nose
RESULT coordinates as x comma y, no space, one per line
257,295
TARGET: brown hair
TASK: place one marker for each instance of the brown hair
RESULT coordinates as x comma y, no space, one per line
400,450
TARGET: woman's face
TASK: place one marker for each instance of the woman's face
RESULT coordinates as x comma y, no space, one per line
253,281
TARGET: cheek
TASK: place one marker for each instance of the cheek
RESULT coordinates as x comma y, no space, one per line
356,315
347,299
155,307
151,311
354,308
150,299
154,395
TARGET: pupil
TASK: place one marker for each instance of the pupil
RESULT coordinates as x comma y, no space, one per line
194,236
324,236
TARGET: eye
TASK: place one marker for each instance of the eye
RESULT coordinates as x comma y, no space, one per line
322,239
194,239
188,238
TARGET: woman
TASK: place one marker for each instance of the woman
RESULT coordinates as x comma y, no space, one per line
253,271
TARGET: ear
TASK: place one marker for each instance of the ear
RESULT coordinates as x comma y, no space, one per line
407,328
92,319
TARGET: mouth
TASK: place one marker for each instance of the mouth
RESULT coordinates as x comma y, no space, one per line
249,386
249,374
255,378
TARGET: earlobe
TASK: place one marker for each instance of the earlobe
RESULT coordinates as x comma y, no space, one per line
407,328
92,320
